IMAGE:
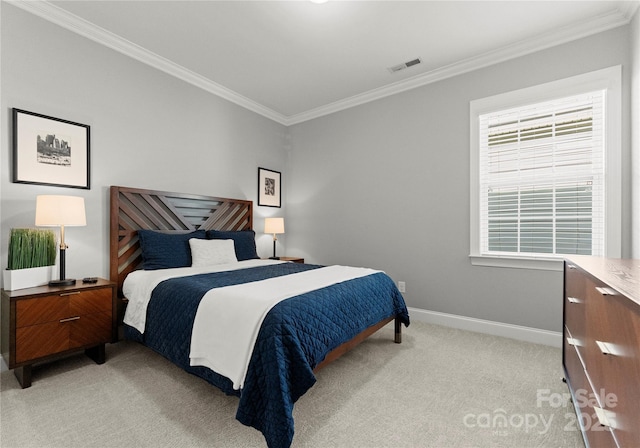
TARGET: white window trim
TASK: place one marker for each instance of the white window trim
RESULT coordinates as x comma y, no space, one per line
609,79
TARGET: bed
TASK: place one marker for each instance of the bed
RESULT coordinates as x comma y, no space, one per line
298,317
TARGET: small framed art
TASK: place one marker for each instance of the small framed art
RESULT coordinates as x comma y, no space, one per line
269,193
50,151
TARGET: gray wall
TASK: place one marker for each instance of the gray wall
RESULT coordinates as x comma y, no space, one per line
386,185
148,130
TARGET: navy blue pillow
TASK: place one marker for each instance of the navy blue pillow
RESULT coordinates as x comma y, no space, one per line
166,250
243,240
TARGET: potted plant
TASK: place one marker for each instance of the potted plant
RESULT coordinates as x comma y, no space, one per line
32,255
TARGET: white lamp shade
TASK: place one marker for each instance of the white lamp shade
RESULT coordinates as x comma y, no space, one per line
52,210
274,225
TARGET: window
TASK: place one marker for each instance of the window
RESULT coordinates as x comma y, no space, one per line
541,177
544,176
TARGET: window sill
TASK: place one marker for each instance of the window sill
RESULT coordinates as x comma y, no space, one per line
495,261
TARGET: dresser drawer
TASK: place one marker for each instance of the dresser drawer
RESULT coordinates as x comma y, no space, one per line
572,362
574,320
574,281
584,399
598,328
61,306
616,364
575,305
611,341
599,436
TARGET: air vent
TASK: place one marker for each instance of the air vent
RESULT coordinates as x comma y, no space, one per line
404,65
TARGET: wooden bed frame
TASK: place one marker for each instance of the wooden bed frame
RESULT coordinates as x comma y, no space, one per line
133,209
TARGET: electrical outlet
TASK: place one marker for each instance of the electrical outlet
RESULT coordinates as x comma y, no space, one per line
401,287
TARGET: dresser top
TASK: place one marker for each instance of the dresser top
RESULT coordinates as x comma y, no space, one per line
621,274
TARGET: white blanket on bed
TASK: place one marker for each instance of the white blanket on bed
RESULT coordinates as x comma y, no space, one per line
139,285
228,319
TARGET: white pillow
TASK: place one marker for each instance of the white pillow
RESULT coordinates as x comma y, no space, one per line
211,252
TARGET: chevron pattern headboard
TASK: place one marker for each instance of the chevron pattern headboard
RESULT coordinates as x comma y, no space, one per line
133,209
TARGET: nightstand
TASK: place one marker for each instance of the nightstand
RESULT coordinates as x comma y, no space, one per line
292,259
43,323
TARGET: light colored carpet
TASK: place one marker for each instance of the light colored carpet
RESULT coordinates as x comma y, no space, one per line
441,387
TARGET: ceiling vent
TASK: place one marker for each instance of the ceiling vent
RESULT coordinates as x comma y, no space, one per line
404,65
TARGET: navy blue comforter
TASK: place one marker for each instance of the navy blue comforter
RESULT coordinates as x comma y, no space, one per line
294,338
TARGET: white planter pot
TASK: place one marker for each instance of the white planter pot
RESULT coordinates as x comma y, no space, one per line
28,278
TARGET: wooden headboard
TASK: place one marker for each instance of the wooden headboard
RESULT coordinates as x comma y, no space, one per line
134,208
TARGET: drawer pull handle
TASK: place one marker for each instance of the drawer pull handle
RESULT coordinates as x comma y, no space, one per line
73,293
573,300
571,266
607,348
607,291
573,341
69,319
605,417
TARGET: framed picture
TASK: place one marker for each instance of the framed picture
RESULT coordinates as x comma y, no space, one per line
50,151
269,193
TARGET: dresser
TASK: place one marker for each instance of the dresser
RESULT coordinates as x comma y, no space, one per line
40,324
601,350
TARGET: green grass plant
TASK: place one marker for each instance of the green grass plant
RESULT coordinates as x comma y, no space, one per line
31,248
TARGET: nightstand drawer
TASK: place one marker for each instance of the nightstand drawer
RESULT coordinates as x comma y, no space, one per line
41,340
36,341
90,329
60,306
91,301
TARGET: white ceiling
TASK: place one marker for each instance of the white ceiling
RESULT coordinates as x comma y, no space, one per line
296,60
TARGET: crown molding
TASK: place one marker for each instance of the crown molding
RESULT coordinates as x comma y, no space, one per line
629,9
78,25
550,39
58,16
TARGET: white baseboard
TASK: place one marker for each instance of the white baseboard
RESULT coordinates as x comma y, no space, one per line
528,334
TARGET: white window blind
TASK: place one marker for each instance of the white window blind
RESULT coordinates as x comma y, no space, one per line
542,178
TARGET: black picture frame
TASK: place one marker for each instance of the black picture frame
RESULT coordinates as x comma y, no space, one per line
50,151
269,188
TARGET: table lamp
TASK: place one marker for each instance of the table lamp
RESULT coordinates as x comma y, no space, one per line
274,226
54,211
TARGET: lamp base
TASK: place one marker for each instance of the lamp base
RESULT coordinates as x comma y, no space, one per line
274,258
63,282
